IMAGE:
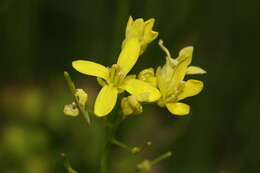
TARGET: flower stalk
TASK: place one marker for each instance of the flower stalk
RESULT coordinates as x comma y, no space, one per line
121,145
110,132
161,158
67,164
147,165
133,150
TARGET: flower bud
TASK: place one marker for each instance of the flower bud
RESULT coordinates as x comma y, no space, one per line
82,97
142,30
144,165
71,110
130,105
148,76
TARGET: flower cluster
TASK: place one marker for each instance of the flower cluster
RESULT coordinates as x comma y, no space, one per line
165,86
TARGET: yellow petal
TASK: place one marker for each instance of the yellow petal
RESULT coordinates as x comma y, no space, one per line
129,24
184,59
185,53
129,55
191,88
105,100
195,70
136,87
179,109
135,28
149,34
91,68
164,76
149,25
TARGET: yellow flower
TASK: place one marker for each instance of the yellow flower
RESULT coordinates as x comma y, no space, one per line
142,30
114,80
170,81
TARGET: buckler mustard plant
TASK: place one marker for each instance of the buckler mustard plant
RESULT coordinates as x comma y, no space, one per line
166,86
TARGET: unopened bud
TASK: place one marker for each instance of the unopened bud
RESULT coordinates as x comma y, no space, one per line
148,76
82,97
144,165
130,105
71,110
140,30
136,150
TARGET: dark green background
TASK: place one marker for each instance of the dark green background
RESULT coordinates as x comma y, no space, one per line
40,38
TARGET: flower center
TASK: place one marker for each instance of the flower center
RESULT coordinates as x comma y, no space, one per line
172,95
116,76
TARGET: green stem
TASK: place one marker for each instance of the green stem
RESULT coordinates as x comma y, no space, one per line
147,165
161,157
111,128
104,158
133,150
67,164
122,145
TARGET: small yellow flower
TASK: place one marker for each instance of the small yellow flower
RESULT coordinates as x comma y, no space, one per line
170,81
114,80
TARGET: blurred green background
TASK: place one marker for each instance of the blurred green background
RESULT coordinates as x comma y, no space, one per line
40,38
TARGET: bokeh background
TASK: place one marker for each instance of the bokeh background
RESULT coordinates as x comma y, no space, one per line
40,38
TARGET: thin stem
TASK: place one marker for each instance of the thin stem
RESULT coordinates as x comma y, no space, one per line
133,150
145,146
121,145
70,83
104,159
161,157
67,164
147,165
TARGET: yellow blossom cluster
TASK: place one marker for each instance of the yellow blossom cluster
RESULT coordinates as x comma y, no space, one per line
166,86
